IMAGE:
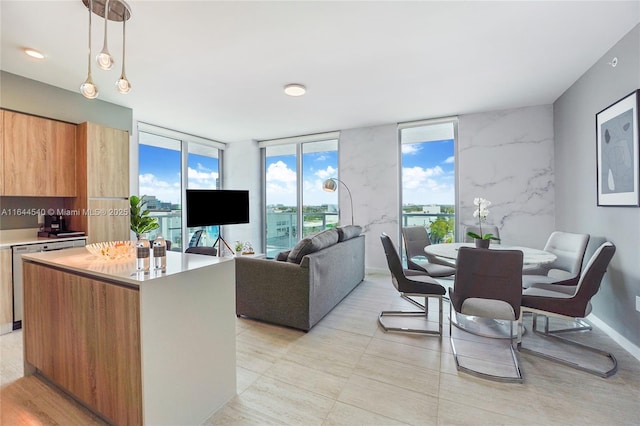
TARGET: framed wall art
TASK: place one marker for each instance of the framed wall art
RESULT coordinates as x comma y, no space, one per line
617,153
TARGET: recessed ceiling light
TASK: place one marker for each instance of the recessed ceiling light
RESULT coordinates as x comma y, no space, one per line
295,89
33,53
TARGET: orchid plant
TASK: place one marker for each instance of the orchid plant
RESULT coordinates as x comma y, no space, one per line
481,213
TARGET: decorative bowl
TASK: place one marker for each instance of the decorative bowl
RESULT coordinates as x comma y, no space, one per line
113,250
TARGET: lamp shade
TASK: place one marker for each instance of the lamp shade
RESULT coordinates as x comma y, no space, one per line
330,185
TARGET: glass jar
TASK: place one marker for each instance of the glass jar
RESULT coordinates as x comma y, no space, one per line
160,253
143,253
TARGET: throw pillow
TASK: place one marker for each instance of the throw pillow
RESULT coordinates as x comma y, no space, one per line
282,256
348,231
308,245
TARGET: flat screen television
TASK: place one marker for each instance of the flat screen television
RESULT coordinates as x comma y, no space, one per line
209,207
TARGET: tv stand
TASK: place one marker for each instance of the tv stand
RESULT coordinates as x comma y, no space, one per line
219,242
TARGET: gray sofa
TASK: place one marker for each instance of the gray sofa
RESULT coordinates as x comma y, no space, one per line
306,283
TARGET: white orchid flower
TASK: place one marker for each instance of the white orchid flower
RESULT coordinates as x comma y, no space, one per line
481,213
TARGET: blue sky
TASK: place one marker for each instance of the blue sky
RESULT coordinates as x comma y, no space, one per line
160,172
427,173
317,167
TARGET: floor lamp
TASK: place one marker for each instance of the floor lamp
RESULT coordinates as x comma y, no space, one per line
330,185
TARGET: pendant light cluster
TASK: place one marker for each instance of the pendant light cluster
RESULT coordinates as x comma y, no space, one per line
110,10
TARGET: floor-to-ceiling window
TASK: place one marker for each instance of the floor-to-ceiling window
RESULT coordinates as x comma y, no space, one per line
429,177
159,184
170,162
295,169
203,165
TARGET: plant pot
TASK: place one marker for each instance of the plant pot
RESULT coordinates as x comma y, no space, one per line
482,243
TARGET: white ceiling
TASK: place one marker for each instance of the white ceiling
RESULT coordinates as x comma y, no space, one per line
216,69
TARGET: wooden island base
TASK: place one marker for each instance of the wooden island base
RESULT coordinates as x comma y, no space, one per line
133,348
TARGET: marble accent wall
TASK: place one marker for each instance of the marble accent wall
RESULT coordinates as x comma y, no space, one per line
369,162
507,157
504,156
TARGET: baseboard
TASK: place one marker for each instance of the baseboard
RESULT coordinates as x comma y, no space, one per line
617,337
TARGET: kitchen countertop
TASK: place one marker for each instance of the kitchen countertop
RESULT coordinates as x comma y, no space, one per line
79,260
13,237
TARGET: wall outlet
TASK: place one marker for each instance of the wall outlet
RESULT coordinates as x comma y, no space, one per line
638,303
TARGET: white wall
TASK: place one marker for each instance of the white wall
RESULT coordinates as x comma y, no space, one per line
242,169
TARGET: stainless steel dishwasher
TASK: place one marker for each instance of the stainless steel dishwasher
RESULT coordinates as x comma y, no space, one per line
17,252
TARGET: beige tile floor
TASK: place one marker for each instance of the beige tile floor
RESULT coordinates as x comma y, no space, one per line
348,371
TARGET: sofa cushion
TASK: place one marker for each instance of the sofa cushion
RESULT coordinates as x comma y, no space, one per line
282,256
348,231
308,245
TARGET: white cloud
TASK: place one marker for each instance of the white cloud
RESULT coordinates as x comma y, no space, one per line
202,167
281,184
201,179
280,172
426,186
163,190
415,177
326,173
411,149
450,160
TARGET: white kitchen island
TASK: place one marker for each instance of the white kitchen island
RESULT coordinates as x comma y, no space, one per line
155,348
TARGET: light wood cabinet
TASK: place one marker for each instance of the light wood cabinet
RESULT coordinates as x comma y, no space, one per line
2,151
102,168
109,220
39,156
84,335
6,291
107,160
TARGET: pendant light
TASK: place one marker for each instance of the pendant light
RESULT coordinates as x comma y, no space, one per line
123,85
88,89
104,59
110,10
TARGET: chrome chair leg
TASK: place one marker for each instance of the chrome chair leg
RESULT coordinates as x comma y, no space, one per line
514,356
421,313
547,334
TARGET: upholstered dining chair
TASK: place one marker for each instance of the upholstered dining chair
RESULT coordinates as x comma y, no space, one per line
569,249
195,238
410,284
572,303
488,284
209,251
486,229
415,240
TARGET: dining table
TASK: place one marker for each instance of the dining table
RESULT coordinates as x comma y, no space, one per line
530,256
487,327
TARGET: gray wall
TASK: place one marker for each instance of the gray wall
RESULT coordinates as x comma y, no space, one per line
576,209
32,97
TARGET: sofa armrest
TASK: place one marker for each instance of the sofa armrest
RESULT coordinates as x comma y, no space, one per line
272,291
